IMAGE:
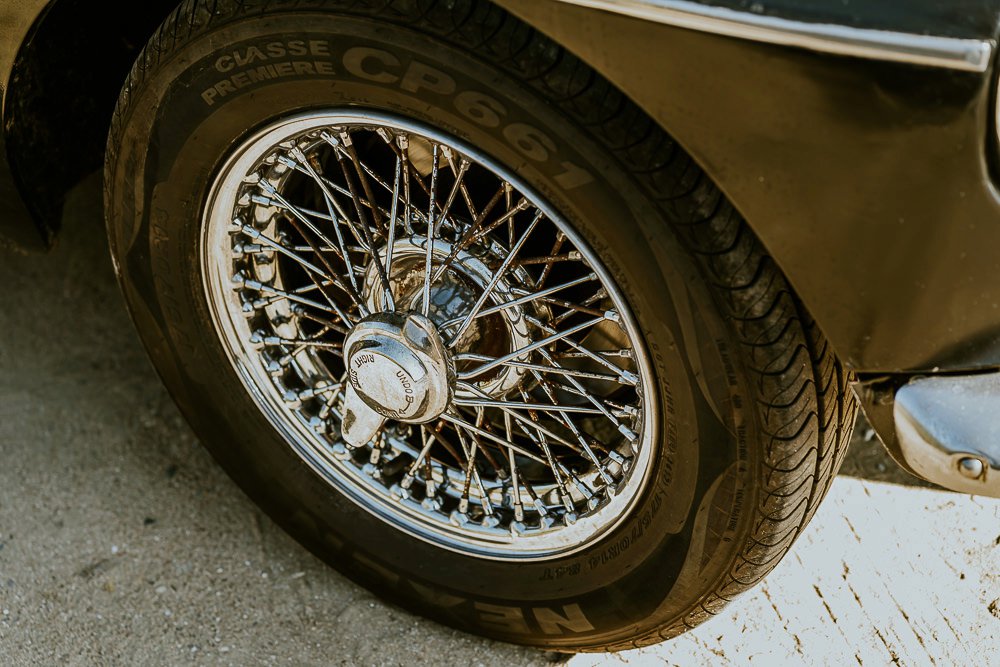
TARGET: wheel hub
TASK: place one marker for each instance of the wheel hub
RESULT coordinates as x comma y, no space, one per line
399,369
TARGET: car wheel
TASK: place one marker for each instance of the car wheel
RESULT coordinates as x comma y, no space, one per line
463,320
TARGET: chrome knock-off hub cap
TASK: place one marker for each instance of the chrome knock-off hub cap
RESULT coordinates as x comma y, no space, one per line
398,368
431,337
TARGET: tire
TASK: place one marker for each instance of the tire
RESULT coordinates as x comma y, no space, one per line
745,406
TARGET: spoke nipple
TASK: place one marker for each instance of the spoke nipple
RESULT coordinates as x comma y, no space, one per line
629,435
458,518
257,339
288,162
317,425
593,503
238,280
629,376
612,489
569,518
237,224
540,506
251,178
266,186
372,470
345,138
262,200
463,506
407,481
612,316
292,398
516,528
616,457
340,451
384,133
273,367
403,141
431,503
490,521
248,308
398,492
546,522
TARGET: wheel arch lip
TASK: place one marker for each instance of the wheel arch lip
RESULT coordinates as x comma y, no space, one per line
830,36
62,65
18,228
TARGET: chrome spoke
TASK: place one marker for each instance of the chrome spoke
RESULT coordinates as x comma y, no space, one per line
527,298
432,229
488,291
557,370
515,405
556,336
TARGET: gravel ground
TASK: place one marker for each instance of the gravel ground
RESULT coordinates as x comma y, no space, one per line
122,543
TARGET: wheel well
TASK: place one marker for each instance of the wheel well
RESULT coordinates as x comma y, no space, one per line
62,91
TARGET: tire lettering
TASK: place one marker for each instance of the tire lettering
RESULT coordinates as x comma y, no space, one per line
552,622
354,62
318,47
252,55
480,108
504,619
420,77
254,75
530,141
271,51
383,67
569,618
572,176
224,63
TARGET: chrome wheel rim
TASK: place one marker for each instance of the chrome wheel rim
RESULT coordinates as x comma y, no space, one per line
430,336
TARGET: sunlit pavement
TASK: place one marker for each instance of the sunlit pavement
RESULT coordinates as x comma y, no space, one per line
121,542
884,574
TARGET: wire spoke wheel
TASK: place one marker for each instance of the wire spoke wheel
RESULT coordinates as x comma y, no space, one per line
429,335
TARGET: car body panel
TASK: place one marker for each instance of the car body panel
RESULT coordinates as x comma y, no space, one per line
869,182
16,19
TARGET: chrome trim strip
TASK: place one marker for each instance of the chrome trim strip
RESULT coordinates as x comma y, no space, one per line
948,52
